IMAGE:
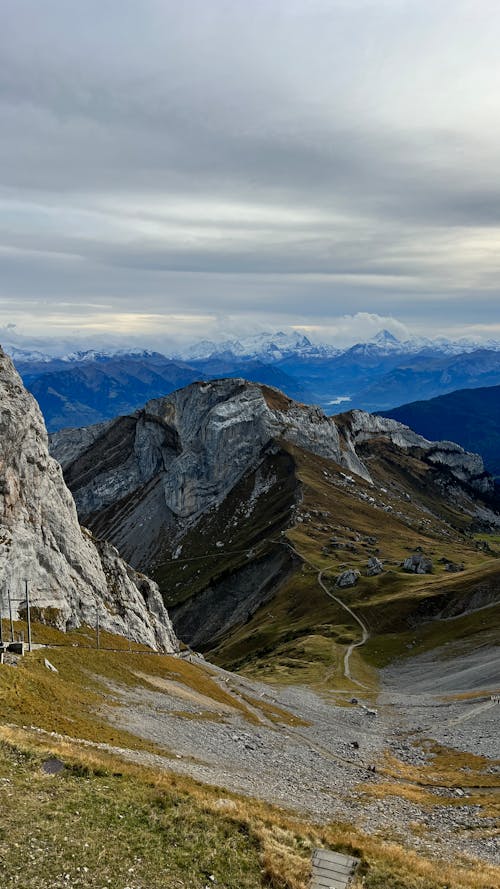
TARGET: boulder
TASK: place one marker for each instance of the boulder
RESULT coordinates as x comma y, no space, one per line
453,567
347,578
418,564
374,567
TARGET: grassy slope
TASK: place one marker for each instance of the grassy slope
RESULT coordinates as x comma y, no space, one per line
201,562
301,634
107,822
69,702
99,825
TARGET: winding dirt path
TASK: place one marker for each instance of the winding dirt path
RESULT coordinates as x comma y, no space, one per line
365,634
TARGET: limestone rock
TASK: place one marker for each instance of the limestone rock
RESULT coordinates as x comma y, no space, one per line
71,575
347,578
467,468
374,567
149,477
418,564
181,456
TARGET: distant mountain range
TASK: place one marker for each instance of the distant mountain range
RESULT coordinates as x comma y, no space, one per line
76,392
279,346
83,387
470,417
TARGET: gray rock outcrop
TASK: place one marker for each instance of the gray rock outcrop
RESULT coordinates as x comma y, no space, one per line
347,578
467,468
71,576
374,567
166,465
418,564
149,476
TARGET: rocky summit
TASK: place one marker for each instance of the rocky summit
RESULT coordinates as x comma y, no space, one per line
204,488
72,576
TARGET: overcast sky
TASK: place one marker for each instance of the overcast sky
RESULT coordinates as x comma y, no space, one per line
205,167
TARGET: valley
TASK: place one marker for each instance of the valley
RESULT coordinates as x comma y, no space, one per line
420,771
334,584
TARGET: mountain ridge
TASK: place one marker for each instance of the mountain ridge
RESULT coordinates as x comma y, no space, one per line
272,345
85,387
206,489
469,416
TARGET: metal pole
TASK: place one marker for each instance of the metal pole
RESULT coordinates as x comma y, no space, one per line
97,630
10,616
28,616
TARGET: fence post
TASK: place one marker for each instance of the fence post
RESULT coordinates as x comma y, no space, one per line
98,643
1,622
10,616
28,615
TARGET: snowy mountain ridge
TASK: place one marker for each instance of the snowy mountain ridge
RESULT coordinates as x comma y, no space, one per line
268,347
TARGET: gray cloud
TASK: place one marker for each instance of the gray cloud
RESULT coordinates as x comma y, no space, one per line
286,160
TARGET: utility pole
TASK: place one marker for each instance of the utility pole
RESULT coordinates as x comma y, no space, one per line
98,645
28,615
10,616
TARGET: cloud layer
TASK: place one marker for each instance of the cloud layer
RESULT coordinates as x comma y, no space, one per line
282,162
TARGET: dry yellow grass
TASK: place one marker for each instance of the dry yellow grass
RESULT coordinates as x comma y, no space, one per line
446,767
69,701
284,842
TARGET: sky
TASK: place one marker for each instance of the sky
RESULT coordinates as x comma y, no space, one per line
175,171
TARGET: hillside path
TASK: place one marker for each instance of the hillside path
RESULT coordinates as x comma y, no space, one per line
365,634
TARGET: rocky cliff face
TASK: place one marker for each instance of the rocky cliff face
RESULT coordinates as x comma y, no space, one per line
71,576
359,427
166,466
199,487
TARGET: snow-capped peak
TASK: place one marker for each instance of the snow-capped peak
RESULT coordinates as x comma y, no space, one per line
266,346
386,338
26,354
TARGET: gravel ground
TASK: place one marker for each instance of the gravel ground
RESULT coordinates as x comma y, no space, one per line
318,770
422,689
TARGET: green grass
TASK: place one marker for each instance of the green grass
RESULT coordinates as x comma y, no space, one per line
300,635
459,635
85,829
104,822
201,563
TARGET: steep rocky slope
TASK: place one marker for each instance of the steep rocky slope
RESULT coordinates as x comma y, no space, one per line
206,488
469,416
71,575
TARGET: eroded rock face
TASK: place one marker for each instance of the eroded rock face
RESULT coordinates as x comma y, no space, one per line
467,468
71,576
158,471
166,465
